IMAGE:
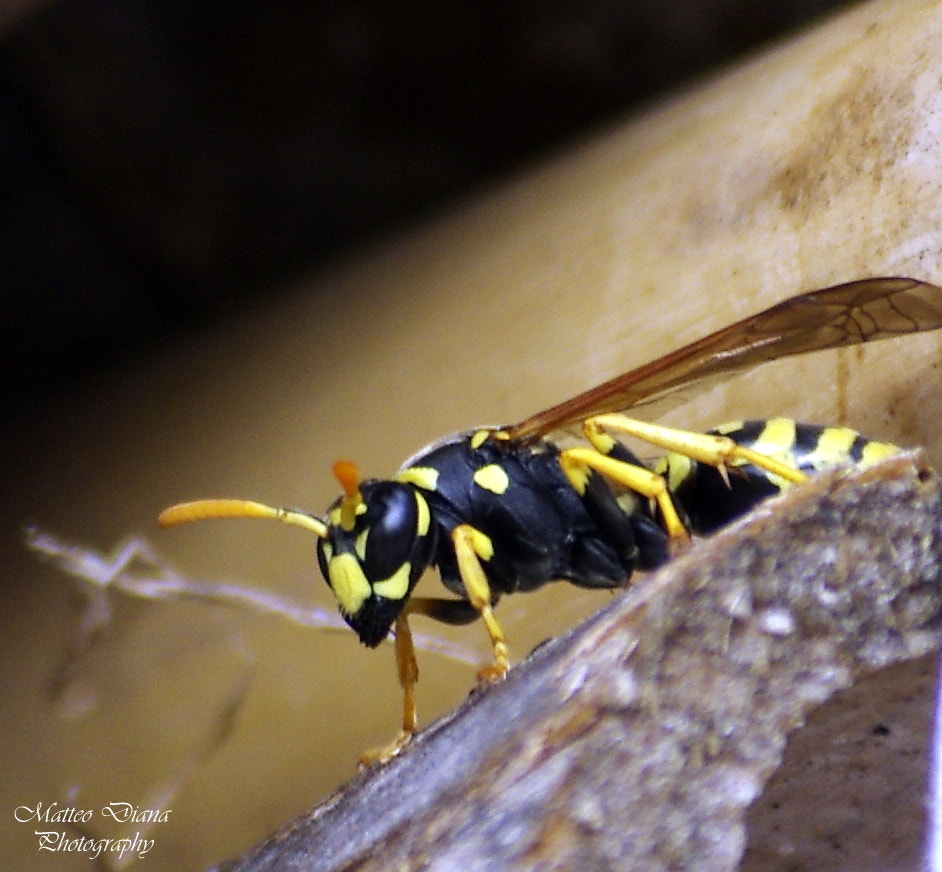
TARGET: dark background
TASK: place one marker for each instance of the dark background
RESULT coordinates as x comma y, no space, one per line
165,161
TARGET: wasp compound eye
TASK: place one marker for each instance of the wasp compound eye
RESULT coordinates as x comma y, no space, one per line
395,526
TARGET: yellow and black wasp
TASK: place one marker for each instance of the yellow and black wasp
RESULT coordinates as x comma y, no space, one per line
502,510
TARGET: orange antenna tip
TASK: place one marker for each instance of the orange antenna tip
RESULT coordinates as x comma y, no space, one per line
352,500
349,477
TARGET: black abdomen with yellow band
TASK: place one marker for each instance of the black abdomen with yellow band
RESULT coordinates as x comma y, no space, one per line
710,500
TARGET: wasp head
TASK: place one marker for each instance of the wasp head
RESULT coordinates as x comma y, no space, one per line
378,542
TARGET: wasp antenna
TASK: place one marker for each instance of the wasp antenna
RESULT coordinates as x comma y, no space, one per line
201,510
349,477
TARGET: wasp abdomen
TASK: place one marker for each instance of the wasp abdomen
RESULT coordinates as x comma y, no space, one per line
709,501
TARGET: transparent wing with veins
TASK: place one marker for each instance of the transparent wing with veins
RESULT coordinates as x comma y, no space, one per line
862,311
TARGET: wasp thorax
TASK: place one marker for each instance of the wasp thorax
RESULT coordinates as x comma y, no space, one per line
375,549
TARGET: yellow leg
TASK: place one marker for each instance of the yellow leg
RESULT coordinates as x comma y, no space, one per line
408,673
408,676
576,463
718,451
471,547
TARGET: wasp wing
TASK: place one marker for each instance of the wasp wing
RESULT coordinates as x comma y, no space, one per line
836,317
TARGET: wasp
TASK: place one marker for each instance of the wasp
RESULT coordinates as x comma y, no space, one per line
502,510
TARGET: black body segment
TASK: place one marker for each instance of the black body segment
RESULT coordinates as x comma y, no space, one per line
540,529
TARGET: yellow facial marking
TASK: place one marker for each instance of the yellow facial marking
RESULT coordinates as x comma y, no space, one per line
421,476
875,451
396,586
424,519
493,478
348,583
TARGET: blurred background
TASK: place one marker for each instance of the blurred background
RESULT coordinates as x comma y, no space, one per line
167,163
197,204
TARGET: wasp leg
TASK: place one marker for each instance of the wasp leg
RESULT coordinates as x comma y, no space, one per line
448,611
578,462
408,669
471,547
718,451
